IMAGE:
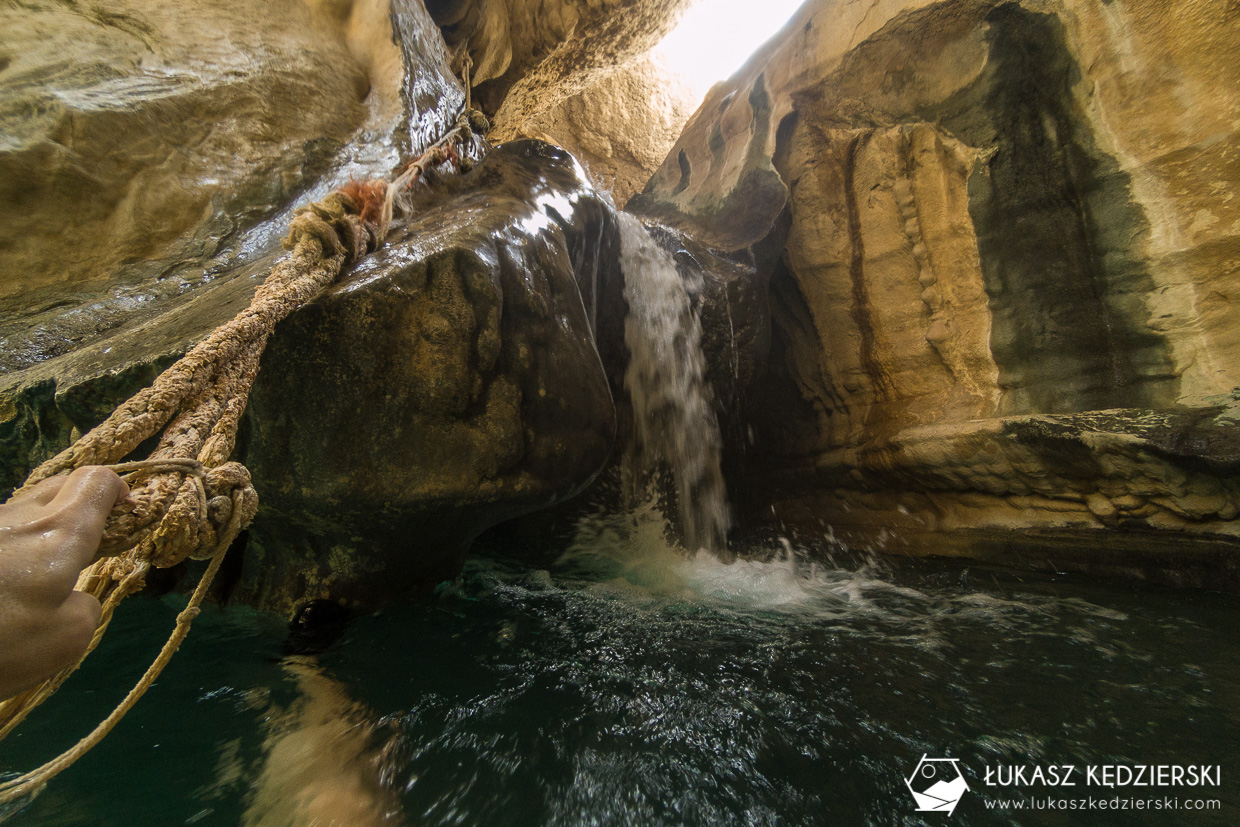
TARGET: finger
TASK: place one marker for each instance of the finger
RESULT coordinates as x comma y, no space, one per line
25,510
84,503
41,494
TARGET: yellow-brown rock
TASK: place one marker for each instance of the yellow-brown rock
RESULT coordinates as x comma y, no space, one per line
622,127
1013,251
133,127
528,56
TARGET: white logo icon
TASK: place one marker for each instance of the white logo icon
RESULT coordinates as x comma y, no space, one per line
937,784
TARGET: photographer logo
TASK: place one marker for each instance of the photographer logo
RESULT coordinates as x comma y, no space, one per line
937,784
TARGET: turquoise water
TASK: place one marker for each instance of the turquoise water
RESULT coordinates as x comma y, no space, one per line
622,683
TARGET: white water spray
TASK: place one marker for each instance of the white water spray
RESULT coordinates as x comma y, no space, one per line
666,381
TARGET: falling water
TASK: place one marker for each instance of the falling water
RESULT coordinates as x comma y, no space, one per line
673,419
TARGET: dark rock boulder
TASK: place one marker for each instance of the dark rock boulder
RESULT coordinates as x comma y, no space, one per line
447,383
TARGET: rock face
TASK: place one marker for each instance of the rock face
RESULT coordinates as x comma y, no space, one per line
449,382
152,136
177,137
530,55
71,350
996,239
622,127
1003,320
482,395
175,140
575,73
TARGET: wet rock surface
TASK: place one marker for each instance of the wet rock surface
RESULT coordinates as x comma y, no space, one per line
153,142
449,382
493,322
381,74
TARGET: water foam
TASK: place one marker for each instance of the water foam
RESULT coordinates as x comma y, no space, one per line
627,555
673,418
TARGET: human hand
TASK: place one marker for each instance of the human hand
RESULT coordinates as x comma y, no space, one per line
47,536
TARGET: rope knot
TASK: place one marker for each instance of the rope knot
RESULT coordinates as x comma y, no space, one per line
178,509
337,222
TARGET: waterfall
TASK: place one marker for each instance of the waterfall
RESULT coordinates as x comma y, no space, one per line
666,381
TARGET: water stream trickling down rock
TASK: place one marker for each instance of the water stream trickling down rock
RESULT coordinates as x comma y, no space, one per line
665,379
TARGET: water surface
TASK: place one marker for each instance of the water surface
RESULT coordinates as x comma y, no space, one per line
620,682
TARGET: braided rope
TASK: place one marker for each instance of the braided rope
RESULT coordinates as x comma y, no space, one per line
187,500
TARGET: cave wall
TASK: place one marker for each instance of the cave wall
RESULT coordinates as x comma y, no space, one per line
174,138
1002,319
1006,218
98,107
529,56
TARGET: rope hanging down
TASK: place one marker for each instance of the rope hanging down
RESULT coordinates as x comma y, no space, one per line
187,500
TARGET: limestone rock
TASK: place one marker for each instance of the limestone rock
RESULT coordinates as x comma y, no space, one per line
71,351
999,210
530,55
141,126
287,113
622,127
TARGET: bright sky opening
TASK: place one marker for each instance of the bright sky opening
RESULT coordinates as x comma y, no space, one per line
716,36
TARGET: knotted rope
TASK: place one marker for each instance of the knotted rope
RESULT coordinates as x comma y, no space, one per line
186,500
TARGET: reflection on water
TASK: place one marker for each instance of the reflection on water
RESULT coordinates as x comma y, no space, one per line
622,683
